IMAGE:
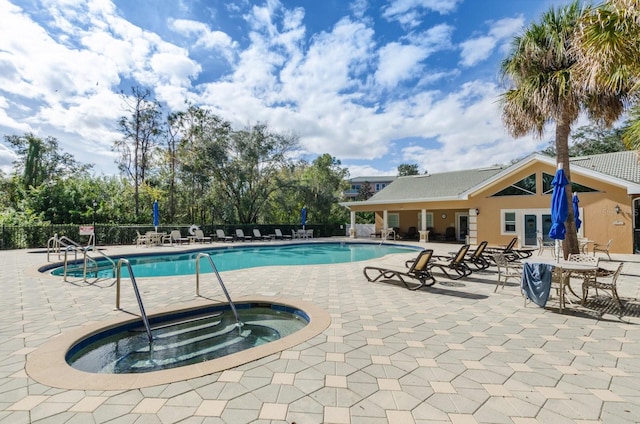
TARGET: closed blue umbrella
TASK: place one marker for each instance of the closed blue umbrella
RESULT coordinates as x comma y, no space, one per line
156,215
304,216
559,209
576,211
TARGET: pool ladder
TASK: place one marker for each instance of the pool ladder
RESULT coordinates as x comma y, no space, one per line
89,264
224,289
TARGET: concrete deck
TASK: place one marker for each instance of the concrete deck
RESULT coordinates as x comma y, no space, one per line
453,353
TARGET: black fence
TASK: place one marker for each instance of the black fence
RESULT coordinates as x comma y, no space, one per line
36,236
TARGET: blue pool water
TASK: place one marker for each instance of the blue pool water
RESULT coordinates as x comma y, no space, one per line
240,257
184,339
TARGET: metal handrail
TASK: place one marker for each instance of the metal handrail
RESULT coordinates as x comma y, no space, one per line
86,258
224,289
135,290
55,242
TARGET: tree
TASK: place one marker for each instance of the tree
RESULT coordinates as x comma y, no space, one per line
592,139
323,184
539,72
405,169
140,130
247,174
606,48
40,160
365,191
198,141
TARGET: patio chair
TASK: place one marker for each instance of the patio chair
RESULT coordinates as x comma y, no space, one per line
506,270
597,247
544,245
140,239
309,234
240,235
221,236
604,283
416,277
453,267
281,236
477,258
199,236
258,236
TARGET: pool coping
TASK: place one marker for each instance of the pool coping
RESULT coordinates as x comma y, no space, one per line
48,366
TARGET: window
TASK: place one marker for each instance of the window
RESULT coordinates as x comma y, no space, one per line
380,186
393,220
355,187
524,187
547,187
509,222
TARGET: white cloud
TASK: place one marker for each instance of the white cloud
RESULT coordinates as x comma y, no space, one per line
409,13
479,48
205,37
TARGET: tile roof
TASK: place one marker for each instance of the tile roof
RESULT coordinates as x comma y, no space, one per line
451,185
435,186
623,165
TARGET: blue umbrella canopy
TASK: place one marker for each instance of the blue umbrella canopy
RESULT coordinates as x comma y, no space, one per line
559,206
304,216
576,210
156,215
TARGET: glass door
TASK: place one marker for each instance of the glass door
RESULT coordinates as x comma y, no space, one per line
530,230
462,227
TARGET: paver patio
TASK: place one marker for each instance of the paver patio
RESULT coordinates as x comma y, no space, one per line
452,353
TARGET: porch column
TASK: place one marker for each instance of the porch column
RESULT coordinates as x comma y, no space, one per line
473,226
424,233
352,228
385,216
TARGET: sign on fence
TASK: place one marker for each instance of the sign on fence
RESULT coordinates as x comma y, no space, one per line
86,230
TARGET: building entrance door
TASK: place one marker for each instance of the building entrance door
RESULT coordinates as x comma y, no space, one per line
530,230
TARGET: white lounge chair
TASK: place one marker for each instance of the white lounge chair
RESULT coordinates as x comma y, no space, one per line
258,236
199,235
175,237
221,236
240,235
281,236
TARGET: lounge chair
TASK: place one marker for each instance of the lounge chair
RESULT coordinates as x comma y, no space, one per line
508,251
175,237
258,236
453,267
419,271
477,258
240,235
221,236
281,236
412,234
199,236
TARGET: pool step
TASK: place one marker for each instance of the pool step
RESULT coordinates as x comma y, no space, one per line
184,322
195,346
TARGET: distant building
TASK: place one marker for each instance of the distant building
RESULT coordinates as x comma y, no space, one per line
375,183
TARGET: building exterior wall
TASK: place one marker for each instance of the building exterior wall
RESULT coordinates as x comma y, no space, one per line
600,222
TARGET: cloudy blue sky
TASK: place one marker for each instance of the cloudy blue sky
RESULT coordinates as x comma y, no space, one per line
374,83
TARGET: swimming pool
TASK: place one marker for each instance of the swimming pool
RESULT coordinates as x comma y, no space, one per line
240,257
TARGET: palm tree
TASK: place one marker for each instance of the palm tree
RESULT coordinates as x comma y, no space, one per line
606,49
541,90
